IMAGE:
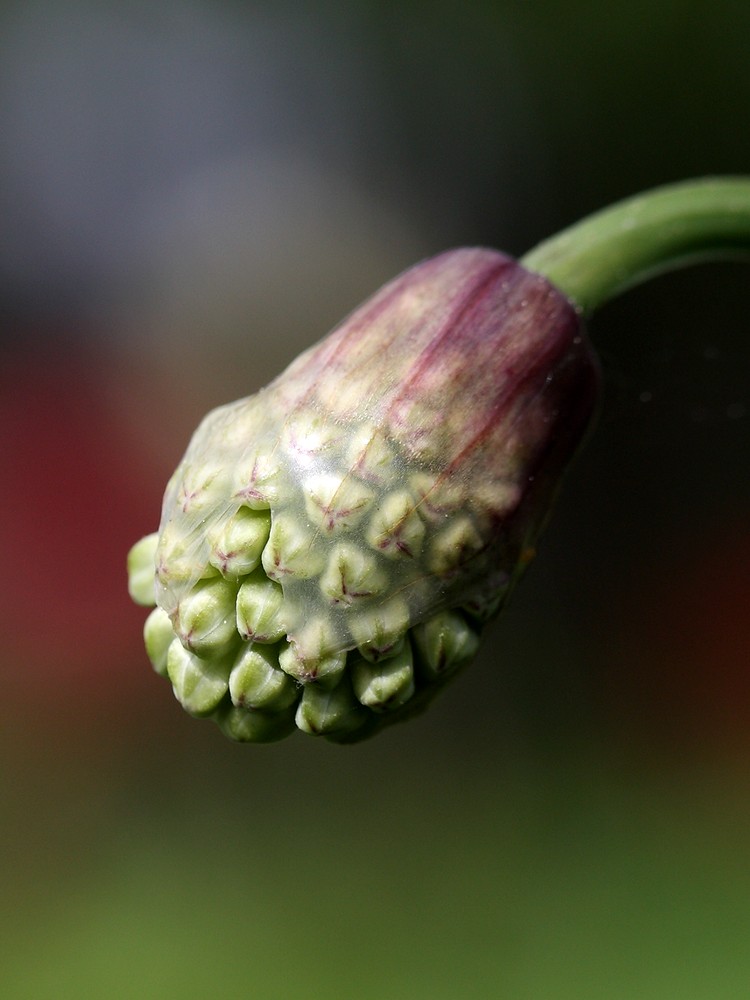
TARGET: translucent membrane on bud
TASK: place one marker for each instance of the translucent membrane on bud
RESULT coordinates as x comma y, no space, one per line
323,670
237,543
335,522
445,643
379,632
396,528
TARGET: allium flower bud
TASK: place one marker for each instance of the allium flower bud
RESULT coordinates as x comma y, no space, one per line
331,547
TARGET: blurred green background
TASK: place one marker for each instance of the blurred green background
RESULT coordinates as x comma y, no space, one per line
189,194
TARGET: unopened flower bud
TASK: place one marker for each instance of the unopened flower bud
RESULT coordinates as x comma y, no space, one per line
454,546
445,643
254,725
340,538
335,713
324,669
380,632
158,636
396,529
336,503
141,570
260,608
257,481
387,684
291,551
352,576
238,542
198,684
257,681
368,455
205,622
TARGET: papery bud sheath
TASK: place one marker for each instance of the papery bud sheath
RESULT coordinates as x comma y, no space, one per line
366,513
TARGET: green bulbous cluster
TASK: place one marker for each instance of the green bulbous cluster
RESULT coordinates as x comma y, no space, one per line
298,598
330,548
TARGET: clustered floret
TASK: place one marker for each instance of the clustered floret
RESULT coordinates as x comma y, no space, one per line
293,589
330,548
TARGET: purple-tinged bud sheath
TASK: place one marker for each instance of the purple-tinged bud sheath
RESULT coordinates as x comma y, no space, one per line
400,469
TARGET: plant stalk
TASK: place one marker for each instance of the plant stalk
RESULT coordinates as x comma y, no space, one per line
668,227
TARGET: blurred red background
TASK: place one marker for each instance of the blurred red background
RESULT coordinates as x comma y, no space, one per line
82,482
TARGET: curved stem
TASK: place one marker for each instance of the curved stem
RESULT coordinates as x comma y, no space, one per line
633,240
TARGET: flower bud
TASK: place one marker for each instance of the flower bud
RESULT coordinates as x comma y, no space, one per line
350,528
445,643
253,725
334,713
158,636
198,684
205,619
324,669
385,685
238,542
260,608
380,632
352,576
257,681
396,528
141,570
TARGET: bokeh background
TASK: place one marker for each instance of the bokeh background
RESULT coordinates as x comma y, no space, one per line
191,192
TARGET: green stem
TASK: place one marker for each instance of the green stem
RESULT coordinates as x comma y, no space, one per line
634,240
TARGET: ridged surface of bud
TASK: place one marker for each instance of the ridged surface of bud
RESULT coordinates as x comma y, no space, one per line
331,547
